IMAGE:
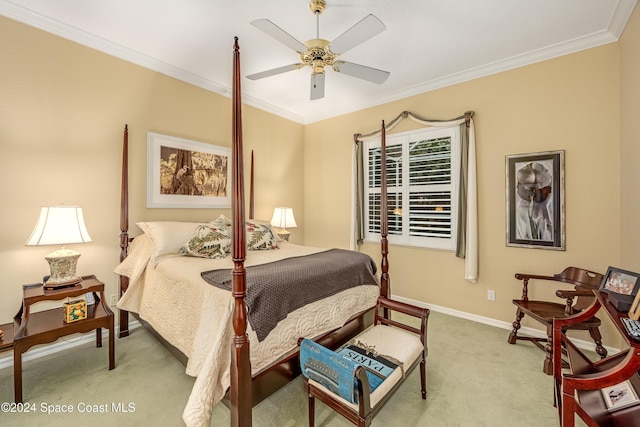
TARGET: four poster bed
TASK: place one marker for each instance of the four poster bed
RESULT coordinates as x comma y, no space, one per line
214,324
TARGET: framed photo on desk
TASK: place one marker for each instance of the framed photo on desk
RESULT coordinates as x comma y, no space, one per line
619,396
622,287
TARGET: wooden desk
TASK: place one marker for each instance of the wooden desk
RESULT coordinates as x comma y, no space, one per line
579,392
43,327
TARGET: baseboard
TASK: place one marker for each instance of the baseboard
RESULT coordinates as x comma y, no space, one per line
64,343
531,332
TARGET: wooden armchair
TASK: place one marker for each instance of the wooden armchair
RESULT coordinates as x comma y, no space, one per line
576,300
357,379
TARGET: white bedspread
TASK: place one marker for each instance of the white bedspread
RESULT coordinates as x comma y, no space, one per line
195,317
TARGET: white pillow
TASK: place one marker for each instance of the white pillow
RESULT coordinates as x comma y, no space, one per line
168,236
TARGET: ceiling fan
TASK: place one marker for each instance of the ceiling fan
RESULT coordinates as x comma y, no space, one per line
319,53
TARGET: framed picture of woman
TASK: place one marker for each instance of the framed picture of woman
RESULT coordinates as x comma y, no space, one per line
535,200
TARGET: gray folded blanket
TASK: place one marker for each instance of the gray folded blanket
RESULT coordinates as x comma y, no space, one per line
276,289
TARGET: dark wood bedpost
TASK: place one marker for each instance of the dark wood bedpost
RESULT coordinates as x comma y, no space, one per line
240,391
384,220
251,213
124,228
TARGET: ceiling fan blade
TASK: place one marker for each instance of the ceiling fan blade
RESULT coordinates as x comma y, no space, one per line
274,71
279,34
368,27
317,86
360,71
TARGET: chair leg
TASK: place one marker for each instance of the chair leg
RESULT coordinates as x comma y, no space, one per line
597,339
548,349
423,378
312,410
516,325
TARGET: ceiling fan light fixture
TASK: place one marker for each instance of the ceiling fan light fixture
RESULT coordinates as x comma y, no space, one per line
317,53
318,67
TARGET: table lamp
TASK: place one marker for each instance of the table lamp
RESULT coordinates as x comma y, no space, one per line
60,225
283,219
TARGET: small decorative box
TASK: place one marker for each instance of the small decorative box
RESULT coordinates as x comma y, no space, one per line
75,310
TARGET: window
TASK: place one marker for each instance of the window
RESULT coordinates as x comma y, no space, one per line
422,188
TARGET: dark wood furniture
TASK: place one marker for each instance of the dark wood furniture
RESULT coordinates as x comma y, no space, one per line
579,390
6,342
584,282
246,391
363,412
33,328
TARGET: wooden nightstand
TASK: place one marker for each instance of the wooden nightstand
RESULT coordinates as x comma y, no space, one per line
6,342
43,327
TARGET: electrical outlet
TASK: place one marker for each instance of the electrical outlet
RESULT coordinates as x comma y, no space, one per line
113,300
491,295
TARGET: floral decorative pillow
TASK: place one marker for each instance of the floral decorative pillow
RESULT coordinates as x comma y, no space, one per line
223,220
260,237
212,240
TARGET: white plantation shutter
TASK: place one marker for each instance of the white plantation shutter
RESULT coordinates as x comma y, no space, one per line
430,188
394,186
422,175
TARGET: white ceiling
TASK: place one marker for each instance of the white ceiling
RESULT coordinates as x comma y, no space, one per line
428,44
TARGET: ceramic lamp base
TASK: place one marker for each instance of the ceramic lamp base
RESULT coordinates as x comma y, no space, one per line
62,264
283,234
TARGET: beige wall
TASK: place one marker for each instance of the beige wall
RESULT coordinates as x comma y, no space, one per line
570,103
630,144
62,111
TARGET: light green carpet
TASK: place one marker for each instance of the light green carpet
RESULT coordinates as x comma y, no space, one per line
474,378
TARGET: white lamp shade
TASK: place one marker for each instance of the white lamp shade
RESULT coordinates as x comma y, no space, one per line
59,225
283,218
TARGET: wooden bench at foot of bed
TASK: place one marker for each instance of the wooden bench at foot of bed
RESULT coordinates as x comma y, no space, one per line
390,350
287,369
